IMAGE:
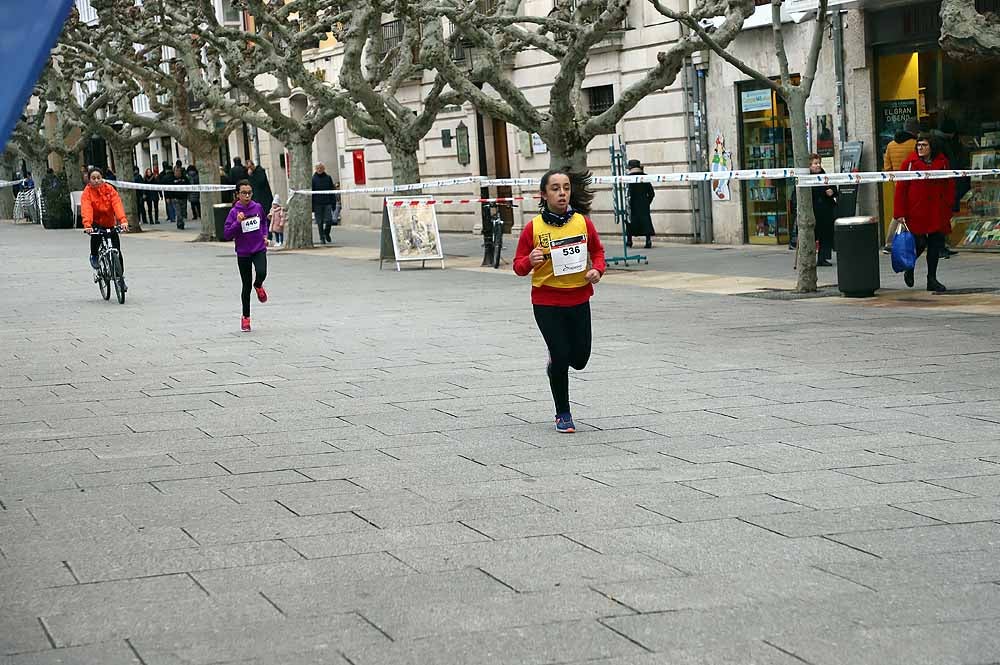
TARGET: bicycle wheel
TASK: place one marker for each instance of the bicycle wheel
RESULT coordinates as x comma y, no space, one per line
102,277
117,278
497,241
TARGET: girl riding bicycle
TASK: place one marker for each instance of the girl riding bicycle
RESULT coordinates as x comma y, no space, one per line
247,226
101,206
562,250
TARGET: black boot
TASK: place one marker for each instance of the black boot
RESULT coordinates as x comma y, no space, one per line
935,286
649,242
908,278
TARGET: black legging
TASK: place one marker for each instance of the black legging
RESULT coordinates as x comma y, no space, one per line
116,242
152,211
567,334
934,243
248,265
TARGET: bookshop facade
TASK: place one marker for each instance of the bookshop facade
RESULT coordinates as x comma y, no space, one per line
957,102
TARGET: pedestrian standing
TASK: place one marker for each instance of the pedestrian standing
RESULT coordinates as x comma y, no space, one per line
194,197
897,152
562,251
323,204
179,198
238,172
261,187
247,227
640,197
824,203
151,198
140,210
277,223
925,206
166,177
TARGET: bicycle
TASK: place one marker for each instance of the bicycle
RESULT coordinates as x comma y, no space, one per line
496,229
109,266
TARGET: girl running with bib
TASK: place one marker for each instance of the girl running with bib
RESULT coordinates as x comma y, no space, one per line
247,226
563,252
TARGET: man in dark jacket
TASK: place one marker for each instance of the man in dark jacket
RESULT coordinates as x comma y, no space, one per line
179,199
323,204
166,177
238,172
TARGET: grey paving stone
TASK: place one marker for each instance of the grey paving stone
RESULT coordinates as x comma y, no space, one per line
300,573
507,487
546,524
665,472
931,471
942,569
698,627
840,520
107,653
925,539
166,562
313,547
958,510
455,614
960,643
21,631
973,485
531,645
750,652
277,640
467,510
867,495
943,452
229,481
674,593
774,482
216,532
153,474
711,508
292,491
719,545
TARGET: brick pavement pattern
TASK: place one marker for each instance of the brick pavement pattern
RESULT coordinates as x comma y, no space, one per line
371,477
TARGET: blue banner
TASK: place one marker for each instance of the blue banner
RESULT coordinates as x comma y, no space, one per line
28,32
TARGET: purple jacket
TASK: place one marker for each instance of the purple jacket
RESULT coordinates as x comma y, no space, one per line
247,242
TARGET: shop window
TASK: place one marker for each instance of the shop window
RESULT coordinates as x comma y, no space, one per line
600,99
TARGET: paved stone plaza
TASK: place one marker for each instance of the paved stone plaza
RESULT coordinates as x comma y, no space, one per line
371,477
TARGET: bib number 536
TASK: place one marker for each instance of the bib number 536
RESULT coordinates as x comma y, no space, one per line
569,251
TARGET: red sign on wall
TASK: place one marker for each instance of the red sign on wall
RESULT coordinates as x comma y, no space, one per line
358,157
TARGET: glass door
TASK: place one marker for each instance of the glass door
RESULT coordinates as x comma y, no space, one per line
766,143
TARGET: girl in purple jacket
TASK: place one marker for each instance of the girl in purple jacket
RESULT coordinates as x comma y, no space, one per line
247,226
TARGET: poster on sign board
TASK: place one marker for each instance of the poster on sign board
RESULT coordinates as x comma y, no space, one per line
413,230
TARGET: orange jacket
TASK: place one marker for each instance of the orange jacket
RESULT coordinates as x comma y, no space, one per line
897,153
101,206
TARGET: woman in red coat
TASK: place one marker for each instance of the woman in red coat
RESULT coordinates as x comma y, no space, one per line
926,206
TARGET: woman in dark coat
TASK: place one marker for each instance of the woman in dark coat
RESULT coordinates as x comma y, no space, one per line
151,198
261,187
926,206
824,203
640,196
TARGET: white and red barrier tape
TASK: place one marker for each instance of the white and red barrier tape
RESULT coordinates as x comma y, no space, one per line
405,203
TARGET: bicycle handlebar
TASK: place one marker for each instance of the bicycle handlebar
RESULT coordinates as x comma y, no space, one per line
102,230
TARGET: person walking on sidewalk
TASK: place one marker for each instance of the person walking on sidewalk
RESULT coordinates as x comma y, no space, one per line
925,206
640,196
247,226
323,204
562,251
261,187
166,177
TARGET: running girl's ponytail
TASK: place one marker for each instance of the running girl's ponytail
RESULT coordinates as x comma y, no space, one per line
581,197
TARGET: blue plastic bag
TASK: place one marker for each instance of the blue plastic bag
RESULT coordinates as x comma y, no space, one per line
904,250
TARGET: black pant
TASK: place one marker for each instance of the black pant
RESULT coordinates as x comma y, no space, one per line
824,235
116,242
566,331
934,243
140,212
196,209
248,265
152,211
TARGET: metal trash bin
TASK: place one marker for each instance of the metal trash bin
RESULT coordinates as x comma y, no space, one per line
219,213
856,239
